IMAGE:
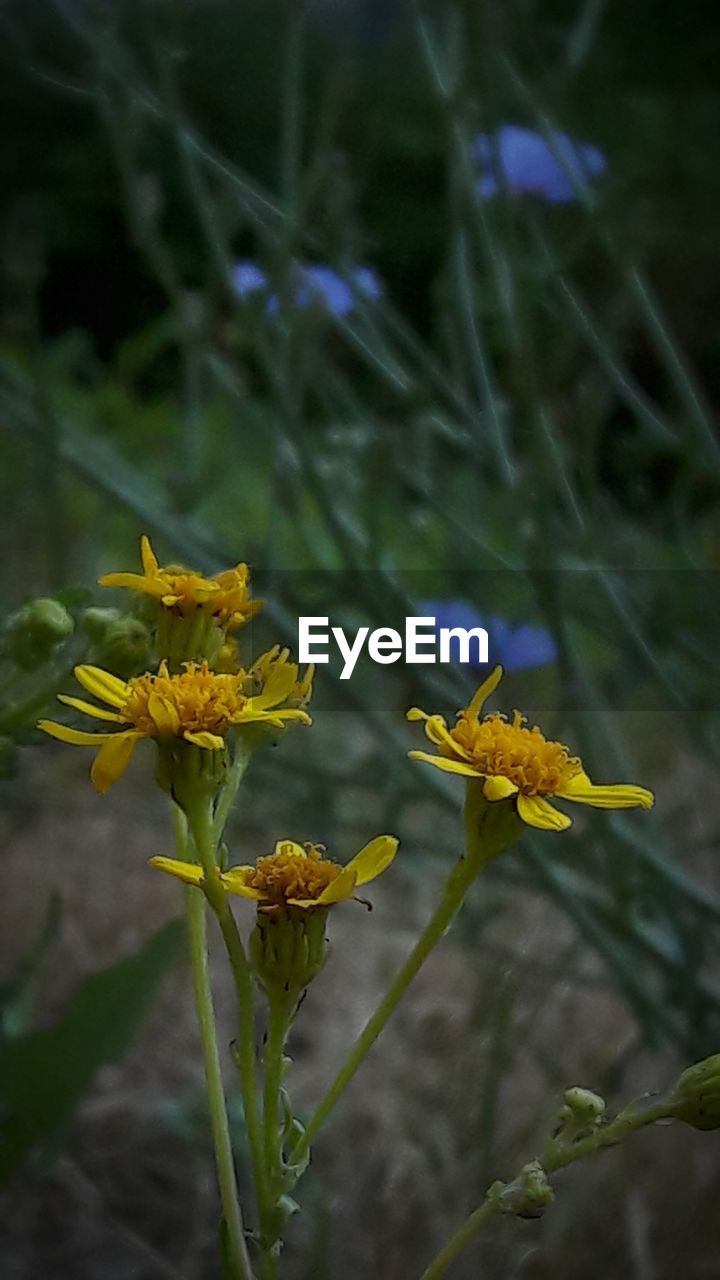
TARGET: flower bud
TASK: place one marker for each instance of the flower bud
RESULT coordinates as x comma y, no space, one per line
288,948
33,632
696,1097
95,621
583,1112
122,644
527,1195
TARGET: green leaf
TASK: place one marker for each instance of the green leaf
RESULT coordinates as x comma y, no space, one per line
45,1074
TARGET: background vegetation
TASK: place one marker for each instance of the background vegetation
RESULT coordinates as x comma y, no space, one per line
523,420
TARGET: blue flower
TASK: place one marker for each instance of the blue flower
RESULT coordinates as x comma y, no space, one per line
516,648
524,162
316,282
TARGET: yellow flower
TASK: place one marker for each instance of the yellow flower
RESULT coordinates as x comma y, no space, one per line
225,596
294,875
515,761
274,661
198,706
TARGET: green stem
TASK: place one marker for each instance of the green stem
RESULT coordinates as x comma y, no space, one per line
557,1157
245,1061
202,827
278,1023
490,828
197,932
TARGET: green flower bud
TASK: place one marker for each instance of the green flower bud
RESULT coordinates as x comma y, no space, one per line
696,1097
123,645
35,631
527,1195
95,622
288,948
583,1112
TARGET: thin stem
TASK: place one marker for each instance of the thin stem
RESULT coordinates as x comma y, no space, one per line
557,1157
245,1058
201,825
197,932
458,883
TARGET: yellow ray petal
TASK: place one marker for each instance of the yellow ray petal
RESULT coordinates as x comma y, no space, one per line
615,796
77,737
441,762
103,685
188,872
373,859
89,709
338,890
234,881
536,812
113,759
498,788
437,731
415,713
210,741
483,693
134,581
148,557
164,714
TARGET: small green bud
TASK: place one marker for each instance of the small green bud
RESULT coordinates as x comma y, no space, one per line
583,1112
33,632
123,646
696,1097
527,1195
95,622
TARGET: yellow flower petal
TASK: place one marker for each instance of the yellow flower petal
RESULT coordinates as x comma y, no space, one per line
615,796
188,872
415,713
133,581
441,762
77,737
483,693
536,812
234,881
373,859
211,741
437,731
149,559
103,685
498,787
164,714
113,759
338,890
89,708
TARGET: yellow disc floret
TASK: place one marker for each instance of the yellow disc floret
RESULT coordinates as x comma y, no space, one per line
533,763
292,873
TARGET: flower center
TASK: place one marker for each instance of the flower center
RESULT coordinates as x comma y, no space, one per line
289,874
537,765
196,700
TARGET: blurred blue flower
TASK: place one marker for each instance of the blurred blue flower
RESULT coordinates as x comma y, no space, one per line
522,160
516,648
315,282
